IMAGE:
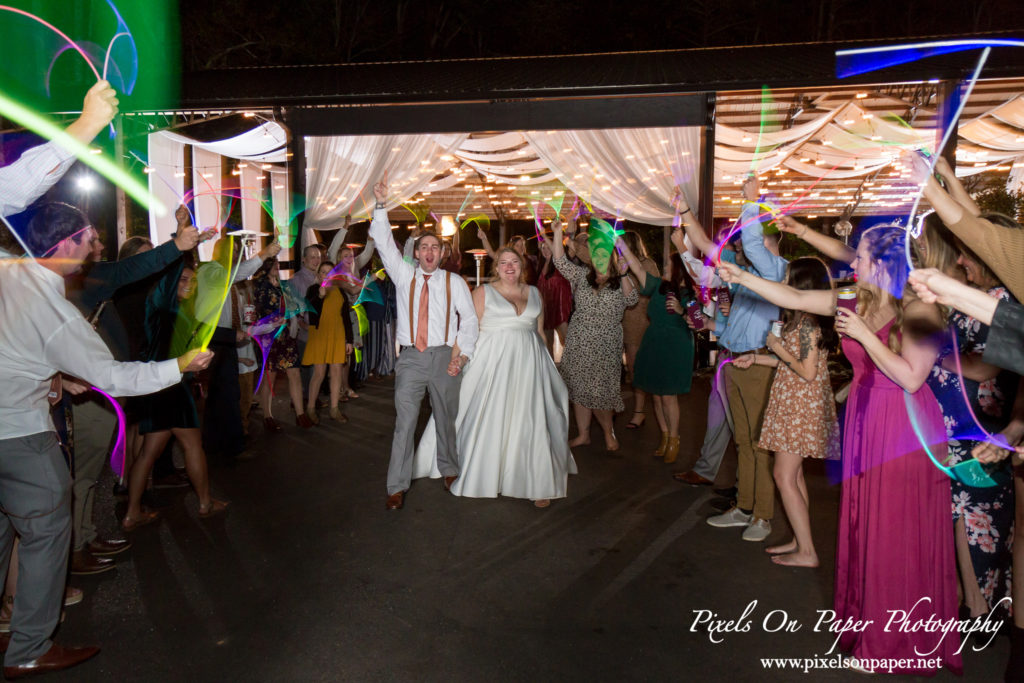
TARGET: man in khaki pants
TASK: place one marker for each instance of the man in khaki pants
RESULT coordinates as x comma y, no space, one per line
750,321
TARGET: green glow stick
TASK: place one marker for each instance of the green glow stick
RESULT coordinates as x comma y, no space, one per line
39,124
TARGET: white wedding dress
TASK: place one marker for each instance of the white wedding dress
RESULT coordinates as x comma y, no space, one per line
512,429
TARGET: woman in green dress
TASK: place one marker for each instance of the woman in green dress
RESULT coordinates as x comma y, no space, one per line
664,363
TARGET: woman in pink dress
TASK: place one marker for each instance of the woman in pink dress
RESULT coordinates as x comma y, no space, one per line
895,547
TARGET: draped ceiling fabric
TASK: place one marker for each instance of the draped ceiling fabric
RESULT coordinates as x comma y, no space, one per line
630,173
995,139
849,142
341,172
255,150
846,142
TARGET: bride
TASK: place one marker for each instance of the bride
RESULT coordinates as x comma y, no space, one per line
513,427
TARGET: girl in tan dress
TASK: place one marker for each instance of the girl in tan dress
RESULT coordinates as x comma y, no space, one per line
800,419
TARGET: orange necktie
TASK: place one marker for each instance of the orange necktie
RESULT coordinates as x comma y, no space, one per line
422,324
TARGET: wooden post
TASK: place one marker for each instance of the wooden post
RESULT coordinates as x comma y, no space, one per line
706,205
119,196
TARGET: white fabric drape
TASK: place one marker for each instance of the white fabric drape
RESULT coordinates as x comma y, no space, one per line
848,142
251,192
206,193
166,183
282,211
267,142
627,172
341,172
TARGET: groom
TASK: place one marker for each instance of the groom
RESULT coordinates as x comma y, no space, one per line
428,327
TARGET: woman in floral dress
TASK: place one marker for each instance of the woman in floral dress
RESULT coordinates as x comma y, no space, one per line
275,328
983,516
592,361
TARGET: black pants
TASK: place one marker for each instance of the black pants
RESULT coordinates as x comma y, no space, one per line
222,421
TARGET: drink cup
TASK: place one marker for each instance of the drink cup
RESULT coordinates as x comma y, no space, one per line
777,328
724,298
846,297
693,312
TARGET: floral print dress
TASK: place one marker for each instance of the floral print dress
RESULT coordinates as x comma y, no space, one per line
987,512
270,299
592,361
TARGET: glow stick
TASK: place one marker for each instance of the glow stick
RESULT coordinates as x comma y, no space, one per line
118,456
106,60
945,138
101,164
858,61
58,32
765,98
994,439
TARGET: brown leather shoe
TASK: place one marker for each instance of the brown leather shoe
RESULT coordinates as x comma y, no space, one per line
271,425
692,478
57,658
395,501
83,562
448,481
303,421
108,546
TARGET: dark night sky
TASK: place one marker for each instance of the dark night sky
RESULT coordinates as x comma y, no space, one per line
263,32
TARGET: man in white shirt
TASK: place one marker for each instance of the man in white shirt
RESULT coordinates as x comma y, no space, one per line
39,168
427,330
41,334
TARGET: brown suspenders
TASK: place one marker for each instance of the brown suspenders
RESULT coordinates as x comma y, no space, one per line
447,314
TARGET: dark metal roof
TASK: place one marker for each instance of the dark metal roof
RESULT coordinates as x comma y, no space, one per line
604,75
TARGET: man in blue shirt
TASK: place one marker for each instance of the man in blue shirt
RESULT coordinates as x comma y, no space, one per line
750,320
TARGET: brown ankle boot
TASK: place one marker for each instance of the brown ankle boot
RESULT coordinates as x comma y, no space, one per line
672,450
664,444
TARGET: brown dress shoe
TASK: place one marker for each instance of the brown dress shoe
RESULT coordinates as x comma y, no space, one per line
57,658
395,501
692,478
448,481
108,546
83,562
271,425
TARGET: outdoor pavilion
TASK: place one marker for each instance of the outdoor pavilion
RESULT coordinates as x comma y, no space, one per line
517,138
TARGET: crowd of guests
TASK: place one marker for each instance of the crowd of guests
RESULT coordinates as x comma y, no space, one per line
927,426
930,426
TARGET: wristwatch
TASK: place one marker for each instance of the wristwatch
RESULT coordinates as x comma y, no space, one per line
381,205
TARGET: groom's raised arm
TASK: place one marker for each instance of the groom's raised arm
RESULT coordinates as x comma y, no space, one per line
401,273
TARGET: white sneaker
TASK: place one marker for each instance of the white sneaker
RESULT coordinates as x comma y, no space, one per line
757,530
733,517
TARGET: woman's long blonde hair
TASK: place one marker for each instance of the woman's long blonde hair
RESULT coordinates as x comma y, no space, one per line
886,247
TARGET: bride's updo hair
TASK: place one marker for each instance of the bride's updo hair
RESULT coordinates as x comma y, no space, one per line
497,257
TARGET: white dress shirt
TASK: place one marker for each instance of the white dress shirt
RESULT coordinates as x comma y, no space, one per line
24,181
462,329
42,333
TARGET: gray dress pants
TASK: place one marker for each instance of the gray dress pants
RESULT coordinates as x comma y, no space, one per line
95,435
415,373
35,499
719,431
